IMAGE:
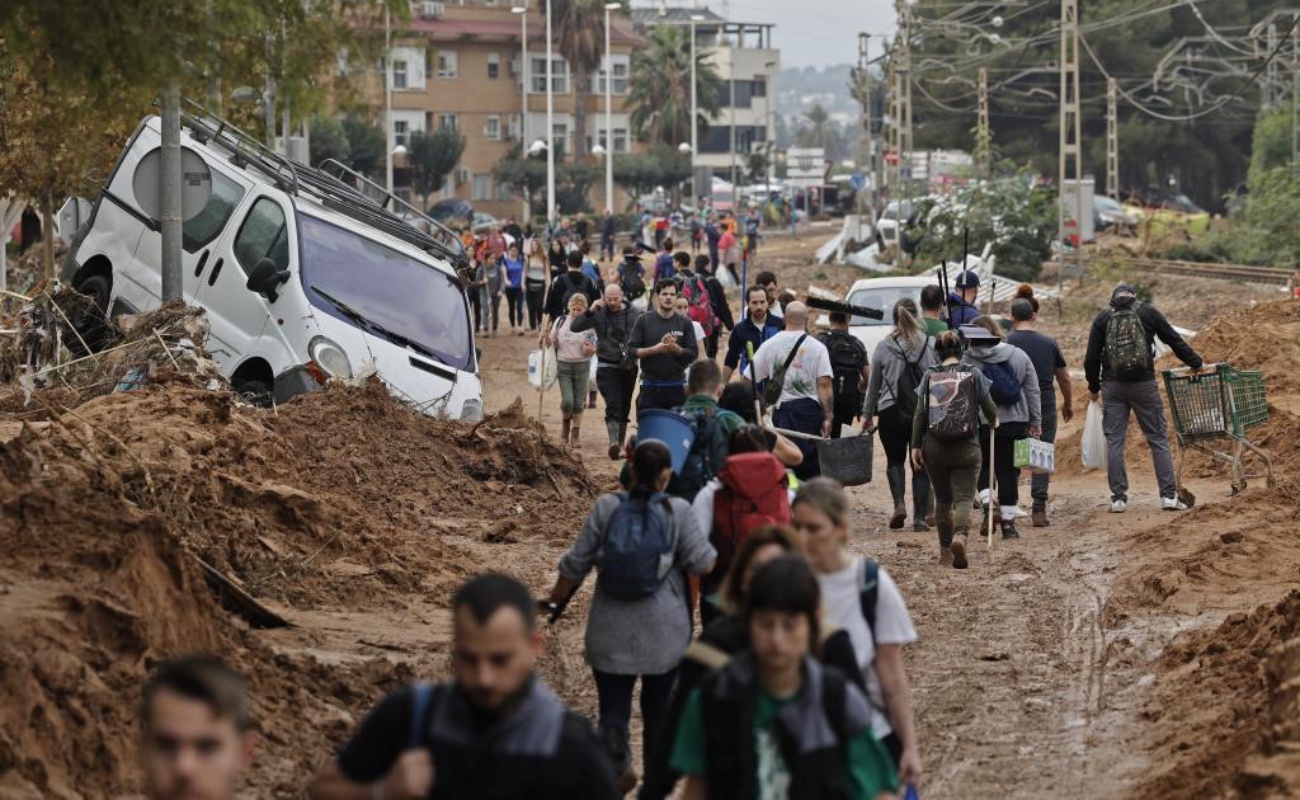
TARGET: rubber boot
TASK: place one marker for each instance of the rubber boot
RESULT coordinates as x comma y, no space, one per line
619,743
575,430
945,556
959,545
920,502
615,441
897,476
565,426
1009,529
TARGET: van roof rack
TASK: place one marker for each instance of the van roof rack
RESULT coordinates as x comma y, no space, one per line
345,192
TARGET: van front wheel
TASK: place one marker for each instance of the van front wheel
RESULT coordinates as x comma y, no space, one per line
92,325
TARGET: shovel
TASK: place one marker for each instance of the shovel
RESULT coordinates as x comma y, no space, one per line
993,480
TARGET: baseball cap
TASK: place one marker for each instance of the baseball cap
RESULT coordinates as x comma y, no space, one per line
977,333
1124,289
968,280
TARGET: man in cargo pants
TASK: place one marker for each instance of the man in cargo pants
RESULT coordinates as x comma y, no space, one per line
613,319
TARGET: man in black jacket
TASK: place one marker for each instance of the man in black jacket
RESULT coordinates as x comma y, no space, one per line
496,731
1133,390
613,318
607,231
566,285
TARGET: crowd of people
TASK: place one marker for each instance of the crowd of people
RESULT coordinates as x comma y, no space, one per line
765,656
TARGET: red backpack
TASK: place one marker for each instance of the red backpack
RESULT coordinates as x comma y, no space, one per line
754,493
696,292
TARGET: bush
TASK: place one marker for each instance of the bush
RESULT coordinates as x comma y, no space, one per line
1018,221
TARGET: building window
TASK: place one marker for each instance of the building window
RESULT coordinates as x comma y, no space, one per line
760,87
447,64
401,132
559,76
620,138
494,65
449,122
621,66
560,138
493,128
483,186
399,73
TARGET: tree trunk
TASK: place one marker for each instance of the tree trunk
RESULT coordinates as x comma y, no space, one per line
47,233
581,91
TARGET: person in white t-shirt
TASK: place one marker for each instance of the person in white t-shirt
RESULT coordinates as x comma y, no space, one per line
807,396
821,515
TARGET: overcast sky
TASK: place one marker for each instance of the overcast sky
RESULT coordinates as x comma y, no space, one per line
816,33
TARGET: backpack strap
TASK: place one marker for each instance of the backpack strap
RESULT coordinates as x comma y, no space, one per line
421,699
869,593
835,695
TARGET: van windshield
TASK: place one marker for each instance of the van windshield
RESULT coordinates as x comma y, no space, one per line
882,298
384,292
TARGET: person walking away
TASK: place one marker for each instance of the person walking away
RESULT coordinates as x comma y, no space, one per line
753,222
568,282
1120,369
713,427
696,233
642,543
802,366
477,292
932,310
1048,363
945,430
775,722
612,318
718,300
665,268
699,300
491,280
897,367
514,264
664,343
197,732
1013,384
537,276
850,369
590,269
961,301
729,251
860,597
631,276
608,231
573,352
494,731
713,235
754,330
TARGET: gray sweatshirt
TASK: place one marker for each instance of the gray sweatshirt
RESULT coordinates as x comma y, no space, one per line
887,365
648,636
612,331
1028,408
649,330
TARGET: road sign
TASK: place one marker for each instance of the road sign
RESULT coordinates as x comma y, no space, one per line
196,184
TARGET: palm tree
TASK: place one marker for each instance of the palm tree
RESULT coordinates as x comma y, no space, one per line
818,130
580,38
659,89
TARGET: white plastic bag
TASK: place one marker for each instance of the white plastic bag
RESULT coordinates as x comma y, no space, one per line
542,369
591,375
1093,445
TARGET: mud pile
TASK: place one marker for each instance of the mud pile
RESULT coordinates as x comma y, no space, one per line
115,514
1265,337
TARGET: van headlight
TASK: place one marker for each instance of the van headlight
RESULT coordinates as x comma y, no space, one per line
472,411
330,357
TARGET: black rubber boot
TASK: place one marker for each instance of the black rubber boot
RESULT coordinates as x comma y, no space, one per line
897,476
1009,529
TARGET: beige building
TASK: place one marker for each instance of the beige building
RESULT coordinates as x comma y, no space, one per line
462,67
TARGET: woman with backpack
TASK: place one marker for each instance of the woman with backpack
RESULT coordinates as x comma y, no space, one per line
573,352
897,367
642,544
774,722
537,276
860,597
945,440
1013,384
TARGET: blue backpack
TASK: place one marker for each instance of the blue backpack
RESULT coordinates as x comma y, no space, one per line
1003,385
638,550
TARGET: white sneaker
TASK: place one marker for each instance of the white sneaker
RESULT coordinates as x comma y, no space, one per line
1172,504
1118,506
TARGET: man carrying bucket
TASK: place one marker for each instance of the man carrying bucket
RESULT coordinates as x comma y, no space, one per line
806,403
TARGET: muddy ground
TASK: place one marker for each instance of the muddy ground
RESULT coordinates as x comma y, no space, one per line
1143,655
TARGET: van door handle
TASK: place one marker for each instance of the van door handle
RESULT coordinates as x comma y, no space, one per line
203,262
216,270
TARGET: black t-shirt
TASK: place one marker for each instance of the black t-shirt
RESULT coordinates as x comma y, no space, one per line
1045,355
551,755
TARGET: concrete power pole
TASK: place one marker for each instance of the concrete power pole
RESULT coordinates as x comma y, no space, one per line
1071,165
891,123
1112,139
864,92
983,136
905,97
170,194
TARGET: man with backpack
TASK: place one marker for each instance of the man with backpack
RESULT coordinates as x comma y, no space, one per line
494,731
664,342
664,264
695,288
631,275
1120,368
613,319
565,285
850,369
721,308
798,368
713,426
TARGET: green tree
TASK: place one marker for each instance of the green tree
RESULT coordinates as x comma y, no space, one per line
580,38
642,173
524,175
366,145
659,89
328,140
1019,221
431,158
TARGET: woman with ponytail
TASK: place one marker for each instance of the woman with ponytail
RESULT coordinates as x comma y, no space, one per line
897,367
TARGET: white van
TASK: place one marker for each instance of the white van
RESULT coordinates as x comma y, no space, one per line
882,294
302,276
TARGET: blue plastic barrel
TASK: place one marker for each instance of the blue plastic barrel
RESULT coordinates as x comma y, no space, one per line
673,430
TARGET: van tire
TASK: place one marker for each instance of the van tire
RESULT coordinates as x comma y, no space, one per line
254,391
93,327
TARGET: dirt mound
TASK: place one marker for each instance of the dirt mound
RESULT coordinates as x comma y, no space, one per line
1225,709
1266,337
339,499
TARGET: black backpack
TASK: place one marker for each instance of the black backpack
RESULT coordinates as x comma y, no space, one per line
1128,354
848,357
907,393
632,281
707,454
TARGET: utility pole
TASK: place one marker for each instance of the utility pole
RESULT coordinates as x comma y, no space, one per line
1272,83
1071,156
170,194
864,93
1295,99
1112,138
891,123
983,136
904,74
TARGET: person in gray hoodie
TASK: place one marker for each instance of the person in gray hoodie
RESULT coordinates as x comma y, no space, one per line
897,368
1013,383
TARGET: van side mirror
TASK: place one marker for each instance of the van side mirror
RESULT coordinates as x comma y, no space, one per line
266,278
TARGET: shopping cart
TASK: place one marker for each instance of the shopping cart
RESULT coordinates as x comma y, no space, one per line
1214,409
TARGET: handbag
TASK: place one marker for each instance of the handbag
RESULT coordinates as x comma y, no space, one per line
776,383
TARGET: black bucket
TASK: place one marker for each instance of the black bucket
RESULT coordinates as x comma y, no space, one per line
847,460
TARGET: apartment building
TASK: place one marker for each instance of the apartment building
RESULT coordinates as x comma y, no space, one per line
744,58
462,67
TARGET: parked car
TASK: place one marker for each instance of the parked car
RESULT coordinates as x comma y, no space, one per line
303,278
1168,211
1110,216
882,294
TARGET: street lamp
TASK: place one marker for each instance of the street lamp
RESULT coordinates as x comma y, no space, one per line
550,123
522,11
685,148
609,114
695,112
538,147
